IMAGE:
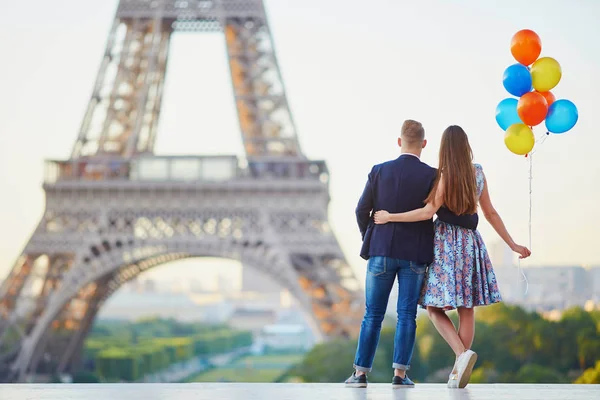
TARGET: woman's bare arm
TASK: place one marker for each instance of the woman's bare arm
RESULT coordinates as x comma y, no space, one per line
494,219
420,214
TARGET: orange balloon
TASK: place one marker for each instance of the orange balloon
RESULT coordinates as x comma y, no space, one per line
526,46
548,96
532,108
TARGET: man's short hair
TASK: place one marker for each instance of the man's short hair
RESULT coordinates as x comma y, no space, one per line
412,132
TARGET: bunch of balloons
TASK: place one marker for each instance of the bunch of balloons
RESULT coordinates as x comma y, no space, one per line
531,81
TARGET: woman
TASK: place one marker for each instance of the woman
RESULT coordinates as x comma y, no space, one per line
461,275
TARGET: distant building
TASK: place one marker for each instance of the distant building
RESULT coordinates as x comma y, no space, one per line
550,288
594,275
253,320
557,287
225,285
130,305
197,286
253,280
286,300
286,338
501,255
512,283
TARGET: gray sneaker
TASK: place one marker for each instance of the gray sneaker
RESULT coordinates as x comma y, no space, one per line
400,383
357,381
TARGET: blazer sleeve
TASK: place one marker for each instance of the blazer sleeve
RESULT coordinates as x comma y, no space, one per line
366,204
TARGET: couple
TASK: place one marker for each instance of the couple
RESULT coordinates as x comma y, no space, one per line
441,265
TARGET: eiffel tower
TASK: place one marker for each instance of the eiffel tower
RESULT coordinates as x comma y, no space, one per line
115,210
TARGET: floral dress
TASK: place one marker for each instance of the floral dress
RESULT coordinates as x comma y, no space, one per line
461,274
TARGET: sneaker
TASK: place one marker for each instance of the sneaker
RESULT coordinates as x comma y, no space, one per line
453,378
398,382
464,367
453,381
357,381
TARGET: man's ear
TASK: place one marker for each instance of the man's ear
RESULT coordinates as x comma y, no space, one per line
399,142
424,143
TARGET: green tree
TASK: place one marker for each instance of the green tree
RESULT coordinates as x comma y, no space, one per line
434,352
590,375
533,373
330,362
579,346
85,377
118,364
484,375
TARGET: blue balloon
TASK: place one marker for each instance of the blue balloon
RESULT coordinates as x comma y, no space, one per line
562,116
506,113
517,80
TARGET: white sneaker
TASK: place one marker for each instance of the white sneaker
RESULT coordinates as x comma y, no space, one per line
453,381
464,367
453,378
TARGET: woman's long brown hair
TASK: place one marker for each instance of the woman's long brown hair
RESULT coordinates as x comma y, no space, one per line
456,164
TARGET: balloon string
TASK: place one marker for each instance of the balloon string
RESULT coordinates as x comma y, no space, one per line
530,195
539,141
524,278
521,272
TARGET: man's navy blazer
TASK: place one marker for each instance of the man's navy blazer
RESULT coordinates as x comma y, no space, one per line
398,186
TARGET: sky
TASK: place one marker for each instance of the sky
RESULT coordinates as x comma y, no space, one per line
354,70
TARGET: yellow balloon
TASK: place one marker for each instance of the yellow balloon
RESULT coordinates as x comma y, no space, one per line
519,139
545,74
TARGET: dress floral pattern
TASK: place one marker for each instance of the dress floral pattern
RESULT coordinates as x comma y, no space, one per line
461,274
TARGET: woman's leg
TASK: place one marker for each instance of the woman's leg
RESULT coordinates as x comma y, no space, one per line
446,328
466,326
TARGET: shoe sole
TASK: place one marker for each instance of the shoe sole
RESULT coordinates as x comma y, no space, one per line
464,379
356,385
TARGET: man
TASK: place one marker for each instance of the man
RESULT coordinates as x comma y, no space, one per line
396,250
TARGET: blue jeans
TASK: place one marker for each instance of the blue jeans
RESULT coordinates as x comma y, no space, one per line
381,272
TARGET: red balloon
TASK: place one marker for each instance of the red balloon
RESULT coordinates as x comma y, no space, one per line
526,46
548,96
532,108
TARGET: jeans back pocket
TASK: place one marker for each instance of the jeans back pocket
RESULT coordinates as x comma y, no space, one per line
418,268
377,265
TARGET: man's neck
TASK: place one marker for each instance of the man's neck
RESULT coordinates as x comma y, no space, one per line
411,153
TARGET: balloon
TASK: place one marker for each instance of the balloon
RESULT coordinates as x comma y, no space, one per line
506,113
532,108
548,96
517,80
526,46
545,74
519,139
562,116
